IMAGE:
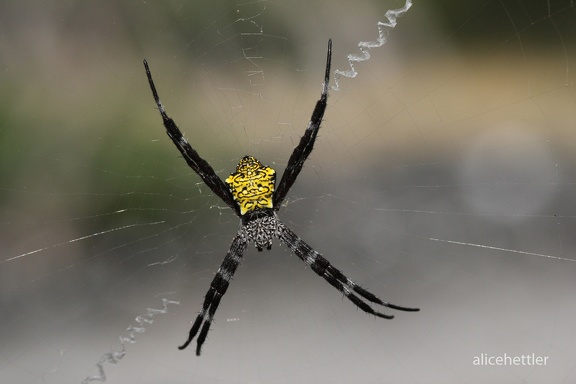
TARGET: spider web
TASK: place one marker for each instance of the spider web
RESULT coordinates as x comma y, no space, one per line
442,178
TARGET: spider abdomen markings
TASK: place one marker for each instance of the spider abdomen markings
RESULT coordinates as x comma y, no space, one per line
252,185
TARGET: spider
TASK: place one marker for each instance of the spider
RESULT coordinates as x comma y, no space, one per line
252,194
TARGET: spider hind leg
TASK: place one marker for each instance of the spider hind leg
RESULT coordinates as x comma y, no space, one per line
334,277
218,288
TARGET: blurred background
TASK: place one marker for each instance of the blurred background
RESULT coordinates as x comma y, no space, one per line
443,178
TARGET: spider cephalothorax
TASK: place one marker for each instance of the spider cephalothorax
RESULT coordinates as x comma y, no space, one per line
251,193
260,226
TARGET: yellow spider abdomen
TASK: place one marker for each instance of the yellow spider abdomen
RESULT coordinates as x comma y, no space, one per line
252,185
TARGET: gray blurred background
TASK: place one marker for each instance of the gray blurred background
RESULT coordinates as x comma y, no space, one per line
443,178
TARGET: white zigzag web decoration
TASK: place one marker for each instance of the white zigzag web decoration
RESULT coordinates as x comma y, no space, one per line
365,46
114,356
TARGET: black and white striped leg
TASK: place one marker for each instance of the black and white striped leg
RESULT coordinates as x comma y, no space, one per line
333,276
217,289
193,159
304,148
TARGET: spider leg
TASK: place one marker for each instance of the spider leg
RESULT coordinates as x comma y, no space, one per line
217,289
304,148
197,163
333,276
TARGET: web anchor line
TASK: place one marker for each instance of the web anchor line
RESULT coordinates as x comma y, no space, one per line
364,46
501,249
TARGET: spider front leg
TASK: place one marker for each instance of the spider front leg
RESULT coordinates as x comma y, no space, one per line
217,289
333,276
304,148
193,159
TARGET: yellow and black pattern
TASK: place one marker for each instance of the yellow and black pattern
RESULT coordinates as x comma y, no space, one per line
252,185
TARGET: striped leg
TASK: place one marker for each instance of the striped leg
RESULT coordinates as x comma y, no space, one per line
304,148
217,289
193,159
333,276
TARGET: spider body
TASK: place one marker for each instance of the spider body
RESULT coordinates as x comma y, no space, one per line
252,185
261,227
252,194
